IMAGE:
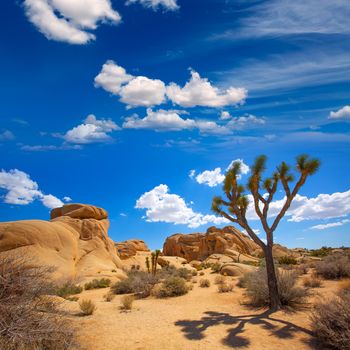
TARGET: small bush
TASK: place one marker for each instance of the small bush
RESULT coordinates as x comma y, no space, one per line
87,307
243,280
108,297
72,298
67,289
126,302
290,293
322,252
204,283
96,284
194,280
201,273
194,273
225,287
302,269
334,267
312,282
287,260
219,279
184,273
331,322
215,268
171,287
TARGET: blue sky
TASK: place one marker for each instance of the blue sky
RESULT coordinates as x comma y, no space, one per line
117,103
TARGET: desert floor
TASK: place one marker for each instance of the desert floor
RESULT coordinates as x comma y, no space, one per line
201,320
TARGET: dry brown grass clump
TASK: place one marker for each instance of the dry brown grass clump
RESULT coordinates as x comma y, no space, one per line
334,267
87,307
225,287
204,283
127,302
344,287
219,279
29,318
258,293
108,297
312,282
331,322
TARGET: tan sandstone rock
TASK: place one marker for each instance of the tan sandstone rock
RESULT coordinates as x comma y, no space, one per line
75,241
236,269
129,248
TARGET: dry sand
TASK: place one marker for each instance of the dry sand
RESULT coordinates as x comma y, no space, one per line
201,320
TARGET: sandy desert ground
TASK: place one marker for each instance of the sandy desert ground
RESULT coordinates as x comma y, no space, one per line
201,320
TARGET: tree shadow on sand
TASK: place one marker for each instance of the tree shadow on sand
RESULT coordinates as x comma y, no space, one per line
194,330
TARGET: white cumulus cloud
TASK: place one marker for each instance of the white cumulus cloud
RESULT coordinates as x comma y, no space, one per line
330,225
224,115
91,131
341,114
21,189
162,206
245,122
200,92
170,5
70,21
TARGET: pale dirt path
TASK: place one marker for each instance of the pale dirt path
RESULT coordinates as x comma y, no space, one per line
201,320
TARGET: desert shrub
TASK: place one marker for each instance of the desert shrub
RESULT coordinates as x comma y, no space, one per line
30,319
287,260
96,284
171,287
322,252
138,282
72,298
201,273
290,293
67,289
331,322
194,273
108,297
184,273
219,279
225,287
334,267
126,302
204,283
302,269
194,280
312,282
215,268
243,280
87,307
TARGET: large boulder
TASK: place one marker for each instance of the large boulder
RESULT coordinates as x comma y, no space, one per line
75,241
129,248
236,269
198,246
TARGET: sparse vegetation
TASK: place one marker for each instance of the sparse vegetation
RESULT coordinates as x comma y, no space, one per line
215,268
29,318
96,284
67,289
290,293
108,297
204,283
219,279
225,287
331,322
321,253
127,302
171,287
312,282
334,266
87,307
287,260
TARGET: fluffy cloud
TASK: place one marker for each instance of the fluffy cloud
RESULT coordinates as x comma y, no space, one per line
161,206
210,177
171,120
91,131
143,91
159,121
245,122
7,135
341,114
199,92
330,225
67,199
22,190
155,4
224,115
70,20
215,177
322,207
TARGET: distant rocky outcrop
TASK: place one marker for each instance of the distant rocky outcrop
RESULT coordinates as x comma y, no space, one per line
129,248
217,245
75,241
199,246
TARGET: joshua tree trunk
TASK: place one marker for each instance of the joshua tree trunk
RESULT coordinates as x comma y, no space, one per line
275,302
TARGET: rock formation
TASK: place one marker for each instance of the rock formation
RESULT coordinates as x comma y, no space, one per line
75,241
199,246
129,248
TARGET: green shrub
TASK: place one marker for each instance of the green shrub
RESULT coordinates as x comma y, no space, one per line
87,307
68,289
184,273
215,268
331,322
290,293
320,253
171,287
96,284
287,260
204,283
334,267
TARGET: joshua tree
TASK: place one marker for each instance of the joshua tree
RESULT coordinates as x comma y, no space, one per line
148,265
154,261
237,202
